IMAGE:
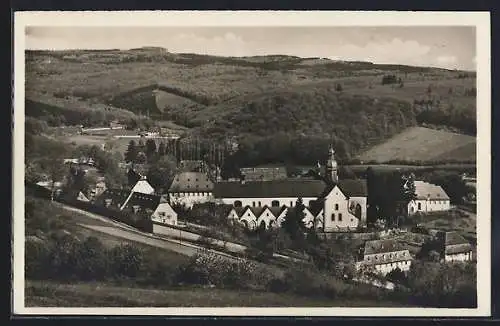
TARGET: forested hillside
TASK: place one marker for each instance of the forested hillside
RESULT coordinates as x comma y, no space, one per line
358,104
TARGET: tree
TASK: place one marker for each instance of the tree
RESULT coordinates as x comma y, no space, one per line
141,158
162,171
150,149
338,87
131,153
162,149
294,224
56,171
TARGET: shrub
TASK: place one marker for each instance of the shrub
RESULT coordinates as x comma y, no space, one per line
125,260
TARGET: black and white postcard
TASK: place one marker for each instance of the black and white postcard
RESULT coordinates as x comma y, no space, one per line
252,163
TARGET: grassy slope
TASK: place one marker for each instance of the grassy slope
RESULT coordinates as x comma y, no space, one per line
423,144
51,294
216,93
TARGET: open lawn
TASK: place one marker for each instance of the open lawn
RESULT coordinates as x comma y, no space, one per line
52,294
423,144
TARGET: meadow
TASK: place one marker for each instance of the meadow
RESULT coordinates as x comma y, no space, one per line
423,144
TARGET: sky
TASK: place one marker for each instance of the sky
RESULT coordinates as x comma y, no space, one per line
451,47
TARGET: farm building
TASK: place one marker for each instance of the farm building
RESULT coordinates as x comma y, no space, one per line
429,198
155,207
189,188
453,247
384,256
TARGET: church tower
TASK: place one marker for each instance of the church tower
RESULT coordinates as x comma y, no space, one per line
331,167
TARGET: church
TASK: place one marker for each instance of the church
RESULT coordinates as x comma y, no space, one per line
335,205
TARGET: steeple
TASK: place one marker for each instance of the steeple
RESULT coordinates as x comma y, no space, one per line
331,167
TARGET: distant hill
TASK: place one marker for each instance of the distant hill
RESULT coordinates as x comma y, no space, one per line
255,96
423,144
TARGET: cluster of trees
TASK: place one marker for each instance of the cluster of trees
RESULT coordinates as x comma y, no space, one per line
464,120
64,114
391,79
317,111
399,189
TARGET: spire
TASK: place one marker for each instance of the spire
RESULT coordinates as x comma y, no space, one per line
331,166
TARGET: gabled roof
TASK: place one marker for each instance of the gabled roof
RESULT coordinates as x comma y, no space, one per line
270,189
454,243
191,182
425,190
381,246
240,210
353,187
143,200
277,211
257,211
453,238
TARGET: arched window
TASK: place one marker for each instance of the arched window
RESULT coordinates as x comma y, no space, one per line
333,216
336,207
260,204
357,211
275,203
340,217
253,204
419,206
237,203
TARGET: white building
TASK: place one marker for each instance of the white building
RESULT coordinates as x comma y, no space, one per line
384,256
273,193
332,205
430,198
189,188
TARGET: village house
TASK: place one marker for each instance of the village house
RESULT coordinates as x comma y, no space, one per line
143,186
453,247
189,188
155,207
429,198
384,256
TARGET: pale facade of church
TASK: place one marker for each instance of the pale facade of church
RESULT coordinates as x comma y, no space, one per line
332,205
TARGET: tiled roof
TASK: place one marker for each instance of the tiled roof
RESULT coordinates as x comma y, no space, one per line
453,238
270,189
191,182
381,246
264,173
277,210
143,200
388,258
353,187
425,190
458,249
118,197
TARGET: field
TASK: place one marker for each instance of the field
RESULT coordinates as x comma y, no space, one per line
51,294
250,97
423,144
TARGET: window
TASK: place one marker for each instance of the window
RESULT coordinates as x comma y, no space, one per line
333,216
340,217
260,204
336,207
253,204
189,180
275,203
291,203
419,206
237,203
162,214
267,214
196,180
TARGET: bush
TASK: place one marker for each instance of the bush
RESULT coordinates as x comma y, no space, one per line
206,268
125,261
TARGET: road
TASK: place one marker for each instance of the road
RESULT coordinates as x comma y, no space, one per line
171,239
124,231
